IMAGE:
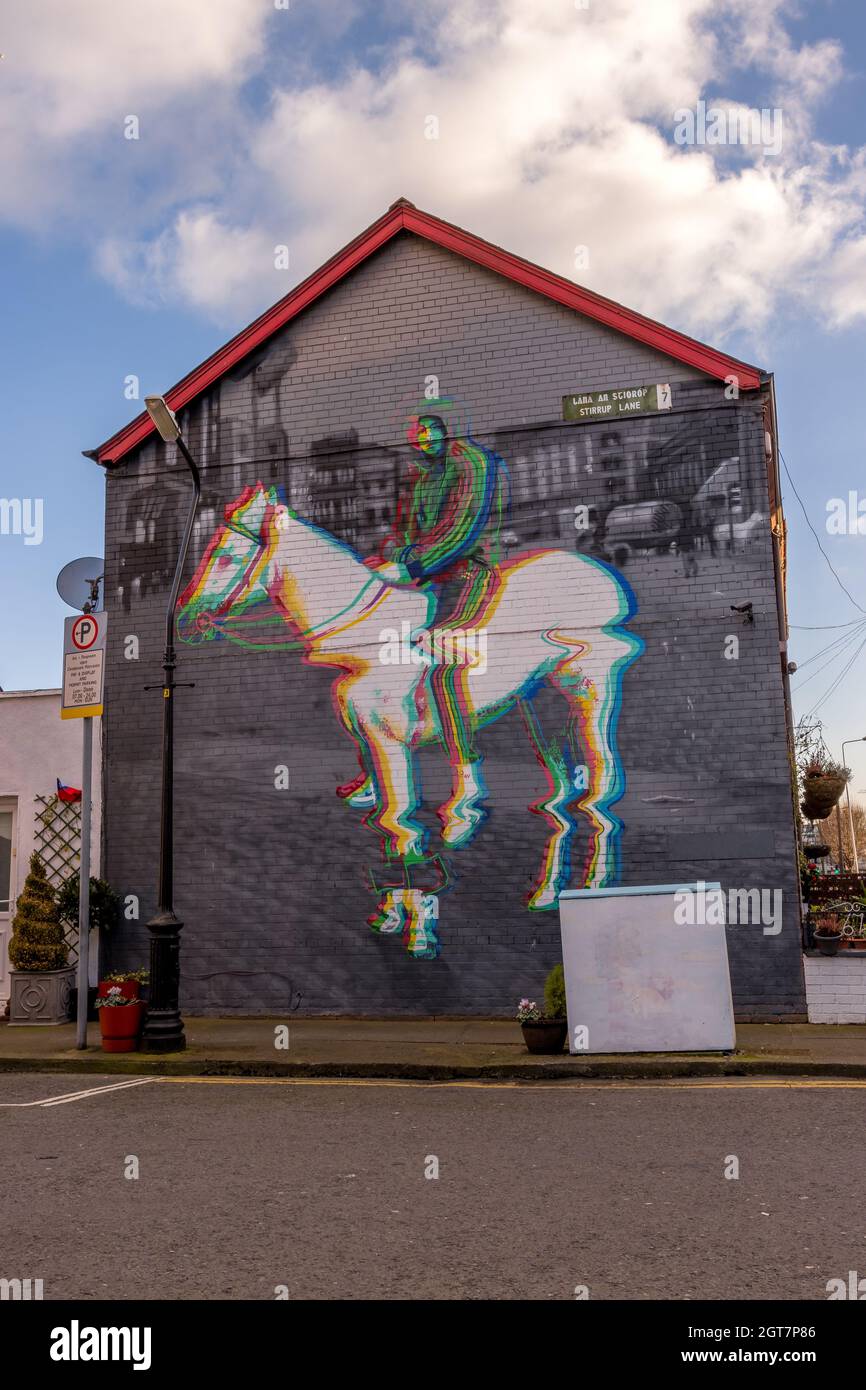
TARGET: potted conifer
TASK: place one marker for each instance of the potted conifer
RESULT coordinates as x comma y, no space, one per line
41,975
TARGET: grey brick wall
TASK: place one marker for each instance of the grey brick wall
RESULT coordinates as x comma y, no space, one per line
273,885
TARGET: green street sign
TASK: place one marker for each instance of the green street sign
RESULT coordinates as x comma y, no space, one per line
625,400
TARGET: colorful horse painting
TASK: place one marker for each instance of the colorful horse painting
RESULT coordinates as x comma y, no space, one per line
553,618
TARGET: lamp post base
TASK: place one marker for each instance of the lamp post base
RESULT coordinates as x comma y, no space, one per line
163,1033
163,1026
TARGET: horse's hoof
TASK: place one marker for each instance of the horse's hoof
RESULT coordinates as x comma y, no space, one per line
423,947
461,825
422,912
388,918
543,900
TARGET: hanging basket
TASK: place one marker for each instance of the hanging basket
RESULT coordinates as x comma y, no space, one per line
820,795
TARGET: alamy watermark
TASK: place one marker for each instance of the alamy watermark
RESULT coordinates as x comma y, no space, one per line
20,1290
442,646
22,516
77,1343
703,907
736,125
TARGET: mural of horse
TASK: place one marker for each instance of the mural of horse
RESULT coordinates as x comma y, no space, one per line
553,618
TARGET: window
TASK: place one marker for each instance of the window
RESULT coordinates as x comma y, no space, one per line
5,859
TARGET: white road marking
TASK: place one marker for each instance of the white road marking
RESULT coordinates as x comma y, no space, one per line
70,1096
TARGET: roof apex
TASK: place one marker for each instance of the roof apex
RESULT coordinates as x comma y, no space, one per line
405,216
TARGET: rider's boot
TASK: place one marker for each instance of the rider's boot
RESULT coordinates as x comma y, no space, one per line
358,793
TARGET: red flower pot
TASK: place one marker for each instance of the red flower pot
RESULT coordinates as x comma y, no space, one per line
128,988
120,1027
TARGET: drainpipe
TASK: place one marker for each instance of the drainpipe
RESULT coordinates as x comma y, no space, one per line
772,458
772,461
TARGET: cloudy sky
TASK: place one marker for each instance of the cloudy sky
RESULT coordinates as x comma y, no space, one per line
261,123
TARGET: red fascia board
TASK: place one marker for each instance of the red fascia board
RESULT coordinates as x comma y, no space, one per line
262,328
403,216
595,306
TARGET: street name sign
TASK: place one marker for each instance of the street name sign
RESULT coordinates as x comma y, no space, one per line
83,665
608,405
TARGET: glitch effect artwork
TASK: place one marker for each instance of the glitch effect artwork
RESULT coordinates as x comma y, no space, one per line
439,632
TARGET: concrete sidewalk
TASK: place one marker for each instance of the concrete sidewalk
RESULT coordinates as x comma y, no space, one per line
433,1050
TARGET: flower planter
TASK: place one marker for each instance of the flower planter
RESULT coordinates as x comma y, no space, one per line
130,989
40,996
820,795
827,945
547,1036
120,1027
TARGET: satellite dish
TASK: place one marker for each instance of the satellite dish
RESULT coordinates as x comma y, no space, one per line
80,583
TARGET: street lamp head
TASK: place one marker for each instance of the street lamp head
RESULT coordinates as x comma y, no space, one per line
164,420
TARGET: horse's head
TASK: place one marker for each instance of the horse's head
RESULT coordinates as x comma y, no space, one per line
233,573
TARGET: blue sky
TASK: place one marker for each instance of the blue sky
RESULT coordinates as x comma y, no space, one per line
261,126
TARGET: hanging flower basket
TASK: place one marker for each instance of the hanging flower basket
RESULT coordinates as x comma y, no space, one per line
821,792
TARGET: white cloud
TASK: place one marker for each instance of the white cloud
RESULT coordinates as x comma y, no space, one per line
555,130
198,258
845,284
73,70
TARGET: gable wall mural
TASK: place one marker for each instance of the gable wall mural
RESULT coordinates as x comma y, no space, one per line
451,654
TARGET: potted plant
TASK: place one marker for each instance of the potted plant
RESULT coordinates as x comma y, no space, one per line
120,1019
544,1032
827,933
41,976
130,982
823,783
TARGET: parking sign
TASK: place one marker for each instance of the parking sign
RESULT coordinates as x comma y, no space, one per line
83,665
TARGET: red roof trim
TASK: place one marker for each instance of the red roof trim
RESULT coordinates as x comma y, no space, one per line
402,216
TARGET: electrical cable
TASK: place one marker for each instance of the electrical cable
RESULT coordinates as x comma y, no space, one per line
841,643
842,674
817,538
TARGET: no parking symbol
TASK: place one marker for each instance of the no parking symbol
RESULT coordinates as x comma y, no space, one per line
83,665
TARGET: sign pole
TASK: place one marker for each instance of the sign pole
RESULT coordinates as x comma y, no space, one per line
83,690
84,885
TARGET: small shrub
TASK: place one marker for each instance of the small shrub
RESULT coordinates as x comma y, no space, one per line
37,934
554,993
104,903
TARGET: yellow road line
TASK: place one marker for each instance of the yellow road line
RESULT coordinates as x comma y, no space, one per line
673,1083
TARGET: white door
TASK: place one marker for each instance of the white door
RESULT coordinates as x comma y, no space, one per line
8,876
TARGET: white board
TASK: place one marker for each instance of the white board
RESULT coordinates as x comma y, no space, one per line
636,980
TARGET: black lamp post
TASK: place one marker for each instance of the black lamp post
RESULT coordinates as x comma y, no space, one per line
163,1028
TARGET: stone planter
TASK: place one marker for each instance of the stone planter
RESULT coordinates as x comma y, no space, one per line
41,996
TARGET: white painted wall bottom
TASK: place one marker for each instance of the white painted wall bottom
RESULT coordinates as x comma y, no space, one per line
836,988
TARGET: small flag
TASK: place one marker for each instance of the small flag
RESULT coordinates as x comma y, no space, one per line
67,794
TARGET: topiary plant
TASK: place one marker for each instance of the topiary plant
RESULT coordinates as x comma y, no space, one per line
37,934
554,993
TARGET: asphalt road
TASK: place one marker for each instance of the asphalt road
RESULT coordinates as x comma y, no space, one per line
244,1187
